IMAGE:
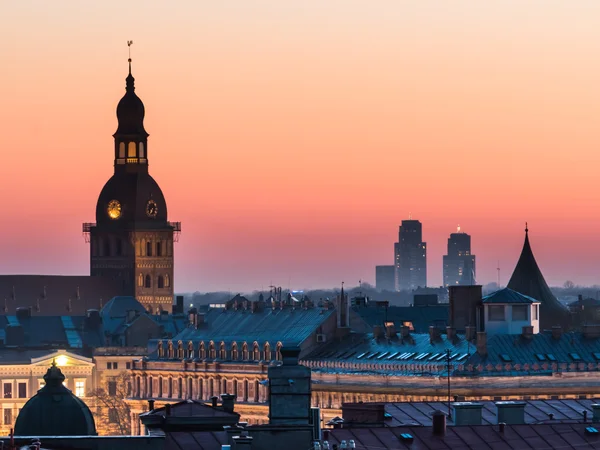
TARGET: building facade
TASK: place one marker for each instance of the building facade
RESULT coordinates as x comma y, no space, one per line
459,263
385,278
410,254
132,238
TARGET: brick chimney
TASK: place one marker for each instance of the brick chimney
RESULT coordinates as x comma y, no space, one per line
227,402
556,331
482,343
470,332
450,333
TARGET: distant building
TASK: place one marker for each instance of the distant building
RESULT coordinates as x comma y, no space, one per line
459,263
385,278
410,254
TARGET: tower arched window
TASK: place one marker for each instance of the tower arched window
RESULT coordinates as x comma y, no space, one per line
142,154
159,248
106,247
141,280
278,352
148,282
148,248
119,247
131,150
161,282
167,280
122,150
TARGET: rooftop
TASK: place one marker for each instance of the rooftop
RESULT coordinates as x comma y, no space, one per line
507,295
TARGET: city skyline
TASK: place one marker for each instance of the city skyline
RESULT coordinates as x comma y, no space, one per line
291,150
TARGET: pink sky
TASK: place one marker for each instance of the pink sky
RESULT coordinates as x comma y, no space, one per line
291,138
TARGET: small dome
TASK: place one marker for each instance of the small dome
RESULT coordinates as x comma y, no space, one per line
130,112
55,411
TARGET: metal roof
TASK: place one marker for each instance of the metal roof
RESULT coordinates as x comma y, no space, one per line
421,317
287,325
507,295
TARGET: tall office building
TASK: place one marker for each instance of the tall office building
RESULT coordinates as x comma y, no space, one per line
459,263
410,256
385,278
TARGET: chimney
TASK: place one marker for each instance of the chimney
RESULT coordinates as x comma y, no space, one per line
434,334
450,333
242,442
23,313
467,413
596,412
227,401
438,423
168,409
405,331
527,332
482,343
511,413
390,330
289,390
214,401
556,331
254,306
469,332
591,331
199,319
363,413
150,404
377,331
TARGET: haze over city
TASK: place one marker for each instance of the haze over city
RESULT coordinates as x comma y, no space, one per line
291,138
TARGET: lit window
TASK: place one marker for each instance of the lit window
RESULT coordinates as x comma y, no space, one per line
7,416
7,390
131,153
80,388
122,150
141,150
496,313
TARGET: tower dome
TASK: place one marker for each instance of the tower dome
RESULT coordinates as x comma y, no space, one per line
131,111
55,411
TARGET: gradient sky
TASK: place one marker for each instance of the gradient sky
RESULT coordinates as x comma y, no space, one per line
292,137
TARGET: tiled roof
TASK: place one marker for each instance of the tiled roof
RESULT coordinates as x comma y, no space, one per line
289,326
422,317
483,437
528,279
52,293
419,413
507,295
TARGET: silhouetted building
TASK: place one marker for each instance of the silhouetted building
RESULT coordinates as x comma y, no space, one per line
528,279
410,256
459,263
385,278
132,239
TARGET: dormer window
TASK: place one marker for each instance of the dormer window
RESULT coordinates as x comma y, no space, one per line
496,313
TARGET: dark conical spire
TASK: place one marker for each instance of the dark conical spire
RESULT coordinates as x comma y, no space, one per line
527,279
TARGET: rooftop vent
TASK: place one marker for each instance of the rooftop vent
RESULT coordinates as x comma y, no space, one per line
511,413
467,413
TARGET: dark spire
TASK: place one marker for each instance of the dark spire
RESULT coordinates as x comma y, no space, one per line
527,279
54,377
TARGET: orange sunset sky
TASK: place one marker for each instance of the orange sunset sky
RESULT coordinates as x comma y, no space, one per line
291,137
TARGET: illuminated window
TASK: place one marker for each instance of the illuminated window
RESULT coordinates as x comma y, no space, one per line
7,416
148,282
122,150
7,390
161,282
167,281
140,280
141,150
131,150
80,388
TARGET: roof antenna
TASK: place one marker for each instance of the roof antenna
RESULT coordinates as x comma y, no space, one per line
498,269
526,228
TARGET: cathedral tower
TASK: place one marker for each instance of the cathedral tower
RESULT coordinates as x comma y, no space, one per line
132,239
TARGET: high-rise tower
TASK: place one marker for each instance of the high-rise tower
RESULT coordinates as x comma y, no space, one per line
132,239
459,263
410,256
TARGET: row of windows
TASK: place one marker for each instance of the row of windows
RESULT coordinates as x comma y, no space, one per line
162,281
115,247
115,365
496,313
233,354
131,150
7,390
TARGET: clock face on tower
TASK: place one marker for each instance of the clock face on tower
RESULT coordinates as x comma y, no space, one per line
114,209
151,209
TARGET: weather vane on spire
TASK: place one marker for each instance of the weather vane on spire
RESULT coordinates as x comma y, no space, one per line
129,48
526,228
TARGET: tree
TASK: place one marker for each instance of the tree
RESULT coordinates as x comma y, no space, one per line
112,411
569,284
